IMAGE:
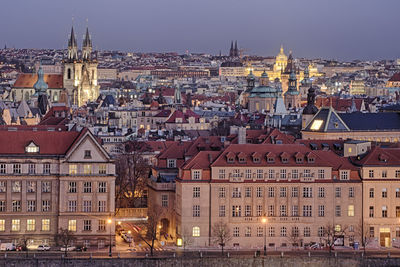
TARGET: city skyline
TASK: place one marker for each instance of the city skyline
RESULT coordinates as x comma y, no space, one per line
260,28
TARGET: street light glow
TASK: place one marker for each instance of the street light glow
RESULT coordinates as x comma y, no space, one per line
109,221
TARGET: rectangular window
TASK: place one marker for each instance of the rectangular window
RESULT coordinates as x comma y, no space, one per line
102,206
87,169
16,186
221,174
45,224
282,211
371,173
222,192
307,173
3,168
344,175
72,225
3,186
384,193
45,205
196,231
30,225
338,192
260,174
282,174
31,205
87,206
16,205
282,192
295,211
295,192
371,193
196,175
397,192
236,192
371,211
73,169
321,192
271,231
2,225
196,210
307,211
2,205
321,174
87,187
247,211
87,225
295,174
259,210
222,211
247,192
396,173
102,187
164,200
271,174
259,192
307,192
271,192
102,225
72,187
31,169
236,211
196,192
351,192
102,169
171,163
46,187
30,186
17,168
371,232
248,174
338,211
271,211
247,232
350,211
397,211
307,232
384,212
88,154
15,225
321,211
260,231
384,174
236,232
46,168
71,205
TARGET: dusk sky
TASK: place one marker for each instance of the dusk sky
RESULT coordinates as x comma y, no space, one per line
334,29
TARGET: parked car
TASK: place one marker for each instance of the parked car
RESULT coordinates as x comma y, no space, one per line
69,248
81,248
43,247
7,247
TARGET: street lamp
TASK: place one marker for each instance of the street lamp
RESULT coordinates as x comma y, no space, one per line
264,221
110,251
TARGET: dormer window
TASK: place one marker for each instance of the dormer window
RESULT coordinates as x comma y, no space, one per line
285,160
242,160
256,157
230,157
32,148
256,160
270,160
311,160
299,160
383,158
242,157
230,160
171,163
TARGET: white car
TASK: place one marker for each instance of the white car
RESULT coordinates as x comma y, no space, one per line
43,248
69,248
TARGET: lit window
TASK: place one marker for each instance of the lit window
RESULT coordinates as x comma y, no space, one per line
316,125
102,169
30,186
196,231
73,169
87,169
72,225
2,225
32,148
16,186
350,211
45,224
102,225
30,225
15,225
338,228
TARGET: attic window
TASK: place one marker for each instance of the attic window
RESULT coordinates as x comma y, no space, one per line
256,159
242,160
270,160
316,125
88,154
311,160
299,160
32,148
230,160
285,159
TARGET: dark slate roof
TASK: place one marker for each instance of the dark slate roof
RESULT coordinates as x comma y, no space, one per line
358,121
331,122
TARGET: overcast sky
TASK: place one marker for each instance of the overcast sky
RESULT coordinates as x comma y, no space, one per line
334,29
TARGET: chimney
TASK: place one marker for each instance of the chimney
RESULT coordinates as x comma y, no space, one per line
242,135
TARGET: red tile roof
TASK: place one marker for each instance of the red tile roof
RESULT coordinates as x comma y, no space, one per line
379,156
27,80
395,77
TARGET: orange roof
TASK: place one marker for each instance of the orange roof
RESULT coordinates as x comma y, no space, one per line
27,80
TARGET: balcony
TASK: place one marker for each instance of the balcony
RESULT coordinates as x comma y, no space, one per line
162,186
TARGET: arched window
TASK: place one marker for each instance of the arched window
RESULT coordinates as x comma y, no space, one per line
69,74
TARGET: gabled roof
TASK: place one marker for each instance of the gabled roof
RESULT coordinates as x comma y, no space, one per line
327,120
379,156
202,160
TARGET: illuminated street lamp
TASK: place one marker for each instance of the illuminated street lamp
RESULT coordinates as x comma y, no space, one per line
264,221
109,221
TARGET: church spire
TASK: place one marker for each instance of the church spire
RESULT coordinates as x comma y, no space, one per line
231,50
236,52
72,46
87,46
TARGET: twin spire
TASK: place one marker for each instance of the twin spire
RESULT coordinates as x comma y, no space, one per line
234,51
73,46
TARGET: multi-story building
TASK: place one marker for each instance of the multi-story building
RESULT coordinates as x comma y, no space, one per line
55,179
300,191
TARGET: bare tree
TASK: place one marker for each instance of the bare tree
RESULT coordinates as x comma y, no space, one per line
221,234
187,238
363,231
154,214
332,233
64,237
132,171
294,237
23,242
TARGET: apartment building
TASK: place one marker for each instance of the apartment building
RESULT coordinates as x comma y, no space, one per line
55,179
301,192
